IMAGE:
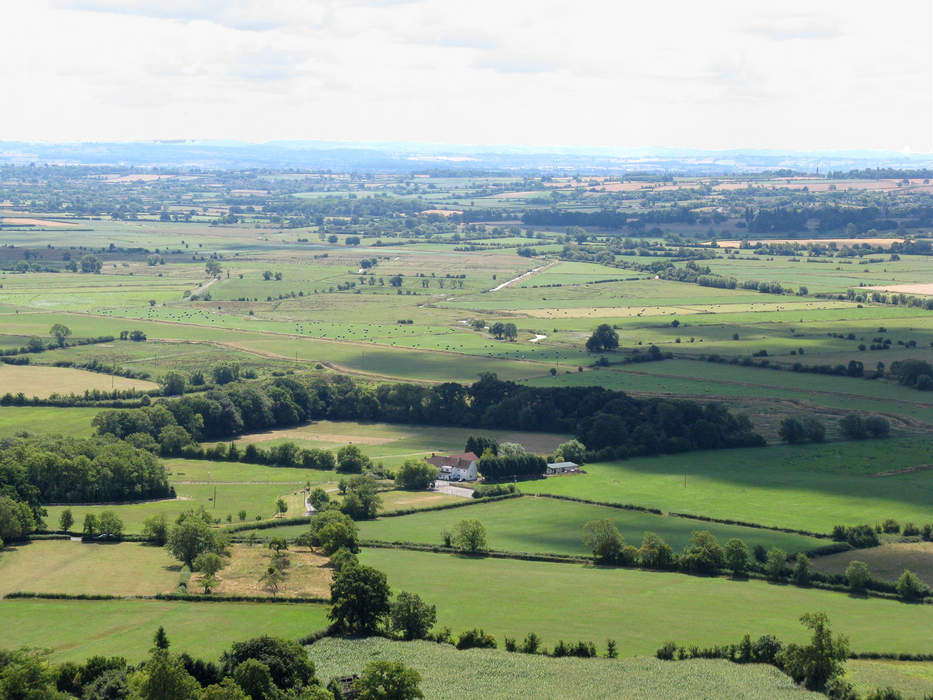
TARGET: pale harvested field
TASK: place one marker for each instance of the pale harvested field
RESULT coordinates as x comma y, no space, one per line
886,242
307,575
634,311
41,381
922,288
25,221
443,212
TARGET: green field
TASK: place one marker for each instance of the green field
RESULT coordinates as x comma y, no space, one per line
640,609
479,673
912,678
809,487
38,419
544,525
75,630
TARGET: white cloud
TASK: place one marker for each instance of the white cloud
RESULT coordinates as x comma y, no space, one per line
722,74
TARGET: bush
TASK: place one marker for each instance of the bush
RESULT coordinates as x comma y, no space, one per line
909,587
416,474
857,575
476,639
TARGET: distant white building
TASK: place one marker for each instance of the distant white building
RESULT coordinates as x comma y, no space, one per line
562,468
461,467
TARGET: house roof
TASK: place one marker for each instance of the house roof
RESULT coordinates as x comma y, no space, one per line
563,465
459,461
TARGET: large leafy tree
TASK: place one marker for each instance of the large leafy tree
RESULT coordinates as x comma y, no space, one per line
190,537
819,662
360,597
388,680
411,616
604,338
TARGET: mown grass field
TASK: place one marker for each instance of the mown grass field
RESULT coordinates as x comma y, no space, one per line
39,419
480,673
809,487
42,382
639,609
73,630
63,566
543,525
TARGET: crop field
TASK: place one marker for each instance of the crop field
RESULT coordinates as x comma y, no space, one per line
482,673
541,525
73,630
37,419
42,382
886,562
639,609
811,487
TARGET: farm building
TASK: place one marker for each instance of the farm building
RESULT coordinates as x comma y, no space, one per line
461,467
562,468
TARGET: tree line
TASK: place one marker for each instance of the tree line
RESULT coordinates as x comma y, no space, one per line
608,422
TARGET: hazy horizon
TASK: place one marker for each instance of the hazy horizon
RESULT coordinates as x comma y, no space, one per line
722,76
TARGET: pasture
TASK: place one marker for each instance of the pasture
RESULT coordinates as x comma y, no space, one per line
73,630
639,609
542,525
810,487
482,673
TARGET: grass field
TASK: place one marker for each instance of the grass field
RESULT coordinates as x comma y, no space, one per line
547,526
38,419
75,630
63,566
33,380
914,679
640,609
480,673
811,487
886,562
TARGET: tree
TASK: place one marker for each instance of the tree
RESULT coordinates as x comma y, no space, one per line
857,575
160,639
571,451
173,383
281,506
877,426
416,474
351,459
155,529
388,680
603,538
497,329
332,530
254,678
736,556
287,661
819,662
91,264
66,520
209,563
164,678
604,339
909,586
470,537
59,331
362,500
318,498
396,281
16,519
272,579
802,570
411,617
360,599
109,525
792,431
703,554
852,427
25,674
90,528
774,566
655,553
227,689
189,538
267,275
212,267
510,331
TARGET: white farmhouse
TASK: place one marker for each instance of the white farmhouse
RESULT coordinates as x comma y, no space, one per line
461,467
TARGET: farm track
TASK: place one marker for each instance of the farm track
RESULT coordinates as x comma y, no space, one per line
523,276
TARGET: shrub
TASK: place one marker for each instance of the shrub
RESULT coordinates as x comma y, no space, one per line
910,587
476,639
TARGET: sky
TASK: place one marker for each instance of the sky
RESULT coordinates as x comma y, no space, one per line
717,74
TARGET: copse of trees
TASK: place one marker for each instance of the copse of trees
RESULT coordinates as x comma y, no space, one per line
45,469
512,466
416,474
610,424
